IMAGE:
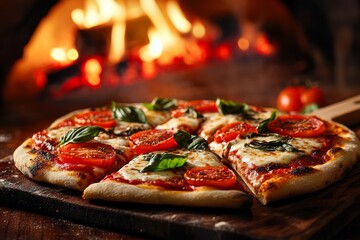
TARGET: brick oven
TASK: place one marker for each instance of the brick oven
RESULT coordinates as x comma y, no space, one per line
89,51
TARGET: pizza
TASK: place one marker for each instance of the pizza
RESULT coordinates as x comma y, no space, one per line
200,153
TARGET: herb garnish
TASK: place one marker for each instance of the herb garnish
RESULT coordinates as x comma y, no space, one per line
230,107
128,113
163,161
189,141
262,126
281,144
161,104
80,134
190,112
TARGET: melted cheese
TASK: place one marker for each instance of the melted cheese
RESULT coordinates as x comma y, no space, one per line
117,143
214,121
59,132
155,118
131,171
181,123
260,157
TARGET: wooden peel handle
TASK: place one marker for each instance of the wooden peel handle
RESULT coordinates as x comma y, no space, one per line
346,112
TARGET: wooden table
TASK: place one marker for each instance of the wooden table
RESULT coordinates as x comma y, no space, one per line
19,120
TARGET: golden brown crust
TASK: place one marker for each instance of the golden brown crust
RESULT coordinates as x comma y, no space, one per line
202,197
35,167
343,157
67,116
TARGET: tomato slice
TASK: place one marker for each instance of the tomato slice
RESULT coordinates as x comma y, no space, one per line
152,140
202,106
88,153
297,126
232,130
215,176
101,118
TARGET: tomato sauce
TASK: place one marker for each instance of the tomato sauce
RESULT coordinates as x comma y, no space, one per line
42,141
177,184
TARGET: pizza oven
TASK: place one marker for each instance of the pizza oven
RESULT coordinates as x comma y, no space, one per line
92,50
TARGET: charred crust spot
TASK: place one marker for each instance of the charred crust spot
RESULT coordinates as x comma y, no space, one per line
271,186
301,171
268,167
38,165
81,175
333,151
41,160
45,156
33,151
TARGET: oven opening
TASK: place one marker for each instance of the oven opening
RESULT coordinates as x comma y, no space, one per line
99,48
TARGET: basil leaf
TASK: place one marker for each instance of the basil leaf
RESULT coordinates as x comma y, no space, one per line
192,113
161,104
262,126
230,107
271,146
190,142
80,134
128,113
163,161
310,108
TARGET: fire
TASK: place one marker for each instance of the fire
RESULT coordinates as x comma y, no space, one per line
154,49
166,39
63,56
173,42
177,17
96,12
92,70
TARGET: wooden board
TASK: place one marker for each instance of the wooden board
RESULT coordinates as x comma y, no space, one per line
317,215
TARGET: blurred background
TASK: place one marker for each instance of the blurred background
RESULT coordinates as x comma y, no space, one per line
56,56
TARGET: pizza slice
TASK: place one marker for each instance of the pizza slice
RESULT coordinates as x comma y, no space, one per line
294,156
187,175
76,164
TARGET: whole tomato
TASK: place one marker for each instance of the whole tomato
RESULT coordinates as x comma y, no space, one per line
289,99
313,95
295,98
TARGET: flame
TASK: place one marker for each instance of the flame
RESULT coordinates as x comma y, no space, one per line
117,42
152,10
177,17
154,49
96,12
165,40
100,12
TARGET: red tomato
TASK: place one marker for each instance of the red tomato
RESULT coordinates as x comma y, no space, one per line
152,140
313,95
289,99
101,118
297,126
202,106
88,153
215,176
232,130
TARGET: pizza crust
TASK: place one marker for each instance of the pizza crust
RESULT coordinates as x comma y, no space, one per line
202,197
48,172
67,116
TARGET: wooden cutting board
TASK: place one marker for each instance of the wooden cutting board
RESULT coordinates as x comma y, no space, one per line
318,215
